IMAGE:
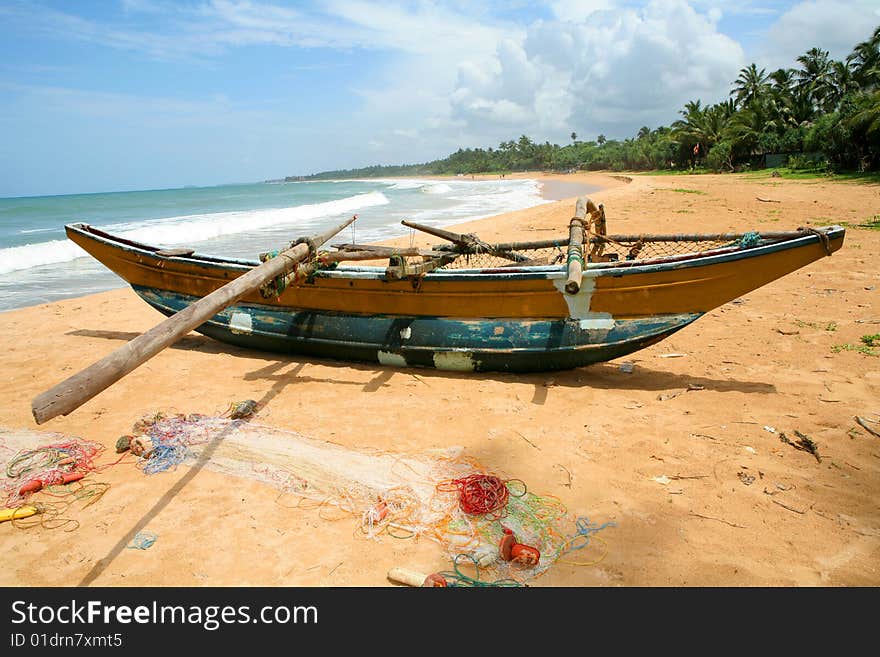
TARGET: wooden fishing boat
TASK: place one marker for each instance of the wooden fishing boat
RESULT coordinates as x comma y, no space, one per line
468,305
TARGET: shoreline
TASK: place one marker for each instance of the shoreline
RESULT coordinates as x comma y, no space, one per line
551,188
599,439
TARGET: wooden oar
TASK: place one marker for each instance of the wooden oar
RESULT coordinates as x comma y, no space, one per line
468,243
577,229
75,391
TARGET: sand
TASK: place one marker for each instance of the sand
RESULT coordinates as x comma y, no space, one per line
598,437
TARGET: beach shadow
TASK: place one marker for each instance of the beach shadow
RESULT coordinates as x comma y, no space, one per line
102,564
603,376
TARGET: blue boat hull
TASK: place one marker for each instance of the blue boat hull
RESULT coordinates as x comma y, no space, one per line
507,345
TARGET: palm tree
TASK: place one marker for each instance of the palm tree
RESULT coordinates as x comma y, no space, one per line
865,126
688,131
601,139
750,84
866,62
782,80
574,137
841,82
814,75
747,126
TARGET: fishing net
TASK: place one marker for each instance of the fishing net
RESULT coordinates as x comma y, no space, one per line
441,494
610,248
47,473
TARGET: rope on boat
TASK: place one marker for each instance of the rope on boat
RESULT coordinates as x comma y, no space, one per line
749,240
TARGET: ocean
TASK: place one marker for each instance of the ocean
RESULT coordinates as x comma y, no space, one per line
38,264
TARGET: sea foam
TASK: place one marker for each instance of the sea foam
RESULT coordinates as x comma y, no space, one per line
189,229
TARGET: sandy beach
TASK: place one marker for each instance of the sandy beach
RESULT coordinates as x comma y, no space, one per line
682,453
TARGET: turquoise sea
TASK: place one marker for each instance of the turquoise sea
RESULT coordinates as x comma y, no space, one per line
38,264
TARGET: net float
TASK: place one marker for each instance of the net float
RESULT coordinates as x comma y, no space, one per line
413,578
24,511
510,550
38,484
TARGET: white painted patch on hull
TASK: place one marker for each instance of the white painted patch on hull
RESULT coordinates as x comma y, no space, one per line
241,323
457,361
389,358
579,304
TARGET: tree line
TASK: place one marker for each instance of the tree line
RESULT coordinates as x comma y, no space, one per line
823,114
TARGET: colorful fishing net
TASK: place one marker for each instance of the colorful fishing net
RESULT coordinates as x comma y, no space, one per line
441,495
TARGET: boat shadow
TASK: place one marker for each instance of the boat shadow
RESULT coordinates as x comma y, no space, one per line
601,376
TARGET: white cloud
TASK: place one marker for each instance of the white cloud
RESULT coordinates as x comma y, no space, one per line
608,73
832,25
578,10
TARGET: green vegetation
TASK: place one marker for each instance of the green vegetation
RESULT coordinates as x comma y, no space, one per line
867,346
818,119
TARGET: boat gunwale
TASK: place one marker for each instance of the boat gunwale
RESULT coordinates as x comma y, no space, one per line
620,268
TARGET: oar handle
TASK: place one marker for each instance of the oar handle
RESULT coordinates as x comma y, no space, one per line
76,390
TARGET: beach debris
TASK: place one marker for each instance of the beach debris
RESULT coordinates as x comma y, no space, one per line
662,479
769,429
143,540
750,449
803,443
787,332
863,422
672,355
746,478
767,200
790,508
527,440
695,386
666,396
567,484
123,444
726,522
627,367
780,488
145,421
140,446
242,410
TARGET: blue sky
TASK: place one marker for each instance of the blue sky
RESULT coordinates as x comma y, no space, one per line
145,94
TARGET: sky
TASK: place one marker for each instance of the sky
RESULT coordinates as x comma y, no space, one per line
110,95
